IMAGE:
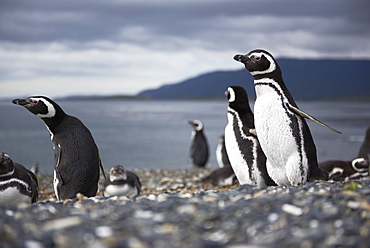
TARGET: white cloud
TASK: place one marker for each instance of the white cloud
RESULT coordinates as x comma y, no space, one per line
124,47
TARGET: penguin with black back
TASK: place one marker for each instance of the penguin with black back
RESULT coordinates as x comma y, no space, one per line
281,127
199,150
76,156
221,176
346,170
17,184
242,145
122,182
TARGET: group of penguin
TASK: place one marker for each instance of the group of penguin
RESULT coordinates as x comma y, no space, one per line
273,146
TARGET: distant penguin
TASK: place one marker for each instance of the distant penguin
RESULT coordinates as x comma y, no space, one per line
245,154
221,176
199,151
17,184
121,182
346,170
281,128
365,147
35,167
221,154
76,156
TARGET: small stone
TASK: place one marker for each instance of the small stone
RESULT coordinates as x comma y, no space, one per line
103,231
291,209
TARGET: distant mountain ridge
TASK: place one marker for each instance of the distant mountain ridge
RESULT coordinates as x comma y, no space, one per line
305,79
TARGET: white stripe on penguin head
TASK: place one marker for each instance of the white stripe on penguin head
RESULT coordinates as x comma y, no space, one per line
51,109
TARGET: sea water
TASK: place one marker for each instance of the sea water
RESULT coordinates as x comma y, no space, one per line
156,134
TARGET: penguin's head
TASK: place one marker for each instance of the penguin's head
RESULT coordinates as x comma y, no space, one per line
236,96
6,165
117,173
258,62
41,106
196,124
360,164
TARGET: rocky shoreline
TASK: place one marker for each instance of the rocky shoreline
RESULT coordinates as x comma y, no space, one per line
176,210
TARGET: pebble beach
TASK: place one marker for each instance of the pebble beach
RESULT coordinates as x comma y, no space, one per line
175,209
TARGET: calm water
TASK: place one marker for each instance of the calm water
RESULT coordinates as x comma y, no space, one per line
155,134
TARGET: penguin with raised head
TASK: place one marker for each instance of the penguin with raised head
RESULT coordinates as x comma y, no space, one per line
242,146
365,147
76,156
199,151
221,153
121,182
17,184
281,127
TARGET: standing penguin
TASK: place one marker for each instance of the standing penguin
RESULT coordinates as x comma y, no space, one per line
76,156
17,184
281,128
122,182
221,154
245,154
199,151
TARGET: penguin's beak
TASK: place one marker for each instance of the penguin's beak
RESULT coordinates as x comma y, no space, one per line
242,58
21,102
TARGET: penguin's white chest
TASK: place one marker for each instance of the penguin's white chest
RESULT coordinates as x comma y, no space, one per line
219,156
118,190
11,196
286,160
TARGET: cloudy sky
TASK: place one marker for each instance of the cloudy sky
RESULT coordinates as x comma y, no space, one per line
70,47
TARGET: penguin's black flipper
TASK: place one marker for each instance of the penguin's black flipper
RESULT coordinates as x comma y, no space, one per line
305,115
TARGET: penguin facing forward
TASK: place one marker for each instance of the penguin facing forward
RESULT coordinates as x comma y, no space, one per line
17,184
245,154
221,154
346,170
281,127
76,156
365,147
122,182
199,151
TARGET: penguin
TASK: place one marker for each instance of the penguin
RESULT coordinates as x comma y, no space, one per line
122,182
221,154
199,151
346,170
365,147
17,184
35,167
221,176
76,156
242,146
281,127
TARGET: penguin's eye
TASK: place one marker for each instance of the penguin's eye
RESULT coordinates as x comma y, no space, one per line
257,58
